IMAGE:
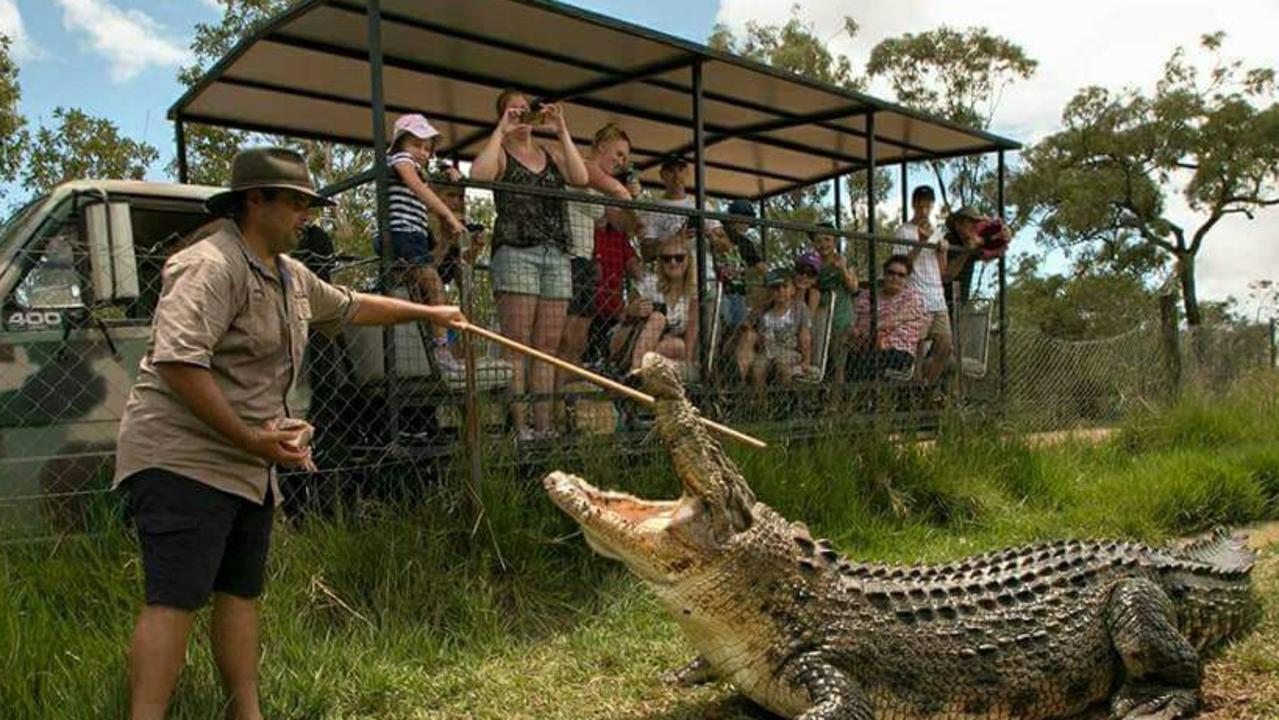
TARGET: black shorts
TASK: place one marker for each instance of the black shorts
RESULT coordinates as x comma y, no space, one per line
197,540
586,276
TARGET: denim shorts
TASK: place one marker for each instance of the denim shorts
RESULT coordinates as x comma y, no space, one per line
196,539
541,271
412,246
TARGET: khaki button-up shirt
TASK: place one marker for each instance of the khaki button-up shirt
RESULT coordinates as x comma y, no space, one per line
224,309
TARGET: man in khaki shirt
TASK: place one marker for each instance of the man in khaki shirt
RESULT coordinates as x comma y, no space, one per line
202,434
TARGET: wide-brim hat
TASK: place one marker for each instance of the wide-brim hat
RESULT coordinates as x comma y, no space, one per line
968,212
266,167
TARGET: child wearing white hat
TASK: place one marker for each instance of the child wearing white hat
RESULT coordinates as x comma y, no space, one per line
411,201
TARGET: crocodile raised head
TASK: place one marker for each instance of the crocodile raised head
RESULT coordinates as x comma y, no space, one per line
1036,632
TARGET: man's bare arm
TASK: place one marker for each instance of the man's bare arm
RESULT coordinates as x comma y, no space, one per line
381,310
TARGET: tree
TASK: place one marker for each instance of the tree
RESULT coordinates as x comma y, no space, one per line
210,149
1080,305
959,75
1099,188
13,132
79,145
794,46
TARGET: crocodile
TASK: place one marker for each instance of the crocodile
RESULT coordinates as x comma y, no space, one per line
1049,630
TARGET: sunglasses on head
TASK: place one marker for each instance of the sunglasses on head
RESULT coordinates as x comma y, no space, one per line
673,258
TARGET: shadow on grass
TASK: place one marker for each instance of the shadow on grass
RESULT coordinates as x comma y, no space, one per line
733,706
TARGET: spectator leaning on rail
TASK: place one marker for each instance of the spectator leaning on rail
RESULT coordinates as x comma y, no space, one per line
207,421
929,263
411,203
530,267
737,262
452,249
838,278
780,346
658,226
902,317
808,267
608,163
973,238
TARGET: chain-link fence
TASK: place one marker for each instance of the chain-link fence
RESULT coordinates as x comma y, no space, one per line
782,344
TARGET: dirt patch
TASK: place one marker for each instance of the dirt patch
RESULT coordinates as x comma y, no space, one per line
1243,682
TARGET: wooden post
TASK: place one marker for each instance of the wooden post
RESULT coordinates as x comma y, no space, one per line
1168,321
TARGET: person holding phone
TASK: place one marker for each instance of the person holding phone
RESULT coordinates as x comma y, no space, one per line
531,240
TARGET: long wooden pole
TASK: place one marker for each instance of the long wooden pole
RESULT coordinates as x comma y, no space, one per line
600,380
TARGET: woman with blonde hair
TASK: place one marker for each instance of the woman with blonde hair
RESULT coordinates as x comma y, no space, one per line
664,310
607,162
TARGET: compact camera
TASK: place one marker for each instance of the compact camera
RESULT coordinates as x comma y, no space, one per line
536,114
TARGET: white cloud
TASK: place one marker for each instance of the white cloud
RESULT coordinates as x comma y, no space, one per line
1080,43
15,29
129,39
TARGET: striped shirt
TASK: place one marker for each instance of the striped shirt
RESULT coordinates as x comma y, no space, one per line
408,212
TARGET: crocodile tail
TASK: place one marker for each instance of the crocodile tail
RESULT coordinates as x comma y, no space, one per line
1227,553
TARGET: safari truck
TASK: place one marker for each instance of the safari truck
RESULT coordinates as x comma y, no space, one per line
79,279
77,287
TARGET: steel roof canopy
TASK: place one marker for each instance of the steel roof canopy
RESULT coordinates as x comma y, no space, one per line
306,73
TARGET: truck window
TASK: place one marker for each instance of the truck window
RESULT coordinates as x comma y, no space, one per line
159,230
52,281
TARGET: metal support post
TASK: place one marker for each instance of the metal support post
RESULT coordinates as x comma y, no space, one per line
905,193
699,178
180,134
378,104
871,226
1003,289
763,230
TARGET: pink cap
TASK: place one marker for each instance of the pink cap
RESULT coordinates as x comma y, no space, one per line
415,125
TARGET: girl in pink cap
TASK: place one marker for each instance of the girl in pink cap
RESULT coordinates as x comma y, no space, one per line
411,203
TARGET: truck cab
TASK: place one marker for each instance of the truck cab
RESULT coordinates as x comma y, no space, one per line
79,278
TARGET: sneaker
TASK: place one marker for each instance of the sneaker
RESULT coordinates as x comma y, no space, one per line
447,362
526,435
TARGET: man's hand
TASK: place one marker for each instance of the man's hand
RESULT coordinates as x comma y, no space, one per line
446,315
280,447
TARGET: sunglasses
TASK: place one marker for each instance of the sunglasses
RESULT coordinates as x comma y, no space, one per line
895,273
673,258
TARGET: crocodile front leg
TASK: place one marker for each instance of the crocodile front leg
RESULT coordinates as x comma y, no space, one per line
1162,673
833,695
696,672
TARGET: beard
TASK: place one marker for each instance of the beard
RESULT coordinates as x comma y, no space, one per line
286,241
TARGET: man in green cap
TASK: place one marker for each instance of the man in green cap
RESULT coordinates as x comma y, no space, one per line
208,420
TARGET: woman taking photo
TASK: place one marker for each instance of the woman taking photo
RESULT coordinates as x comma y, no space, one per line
531,241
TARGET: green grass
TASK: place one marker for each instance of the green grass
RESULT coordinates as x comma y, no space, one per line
424,613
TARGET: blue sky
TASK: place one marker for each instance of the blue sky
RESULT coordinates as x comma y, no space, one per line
63,63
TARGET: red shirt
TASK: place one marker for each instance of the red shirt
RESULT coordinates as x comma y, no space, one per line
612,252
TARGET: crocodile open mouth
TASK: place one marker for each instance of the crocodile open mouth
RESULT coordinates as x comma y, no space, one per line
581,501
